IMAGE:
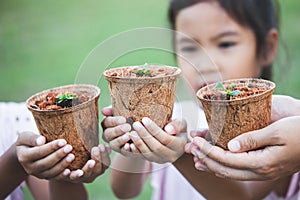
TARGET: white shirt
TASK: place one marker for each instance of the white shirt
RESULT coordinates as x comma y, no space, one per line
14,119
167,182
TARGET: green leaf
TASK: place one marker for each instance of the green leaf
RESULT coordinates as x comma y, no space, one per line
235,92
148,72
219,85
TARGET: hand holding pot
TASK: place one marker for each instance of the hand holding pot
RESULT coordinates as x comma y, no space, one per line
51,160
278,158
148,140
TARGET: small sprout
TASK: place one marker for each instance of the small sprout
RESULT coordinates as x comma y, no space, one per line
219,85
140,71
143,71
230,91
65,97
235,92
148,72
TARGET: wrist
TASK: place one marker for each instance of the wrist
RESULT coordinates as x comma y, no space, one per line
129,164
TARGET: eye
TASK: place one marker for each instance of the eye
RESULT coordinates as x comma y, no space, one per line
225,45
189,49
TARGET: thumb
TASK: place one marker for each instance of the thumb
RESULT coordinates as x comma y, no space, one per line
252,140
107,111
30,139
176,126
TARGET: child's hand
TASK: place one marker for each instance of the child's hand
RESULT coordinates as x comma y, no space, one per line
43,160
148,140
115,130
50,161
157,145
92,169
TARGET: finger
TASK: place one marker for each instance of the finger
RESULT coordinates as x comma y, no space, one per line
254,140
176,126
76,175
104,155
139,143
87,169
209,165
30,139
32,154
150,148
64,175
251,160
112,121
112,133
204,133
117,143
107,111
57,169
53,163
189,147
149,140
134,149
153,134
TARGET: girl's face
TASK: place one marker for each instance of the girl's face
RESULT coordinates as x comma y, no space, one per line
212,47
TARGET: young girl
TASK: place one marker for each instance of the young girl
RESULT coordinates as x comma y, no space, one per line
216,40
24,154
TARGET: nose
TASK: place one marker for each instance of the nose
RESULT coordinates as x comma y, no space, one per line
205,64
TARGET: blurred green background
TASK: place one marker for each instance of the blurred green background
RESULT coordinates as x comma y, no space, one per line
44,43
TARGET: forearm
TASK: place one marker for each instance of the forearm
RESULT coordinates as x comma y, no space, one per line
213,187
128,175
11,172
66,190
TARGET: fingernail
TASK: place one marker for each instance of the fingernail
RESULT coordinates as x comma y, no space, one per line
196,159
125,137
121,120
91,164
102,147
194,152
66,172
79,173
126,146
40,140
125,128
61,142
137,126
132,146
146,121
70,158
95,151
234,145
200,166
169,128
68,148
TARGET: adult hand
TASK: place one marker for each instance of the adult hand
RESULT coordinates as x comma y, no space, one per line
274,153
51,160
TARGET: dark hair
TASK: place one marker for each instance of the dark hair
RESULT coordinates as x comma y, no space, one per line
258,15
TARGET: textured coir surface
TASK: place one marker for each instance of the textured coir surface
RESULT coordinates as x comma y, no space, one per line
138,97
230,118
78,125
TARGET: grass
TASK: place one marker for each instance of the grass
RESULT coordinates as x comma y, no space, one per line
44,44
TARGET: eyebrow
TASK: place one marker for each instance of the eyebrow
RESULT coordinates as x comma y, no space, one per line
188,40
224,34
